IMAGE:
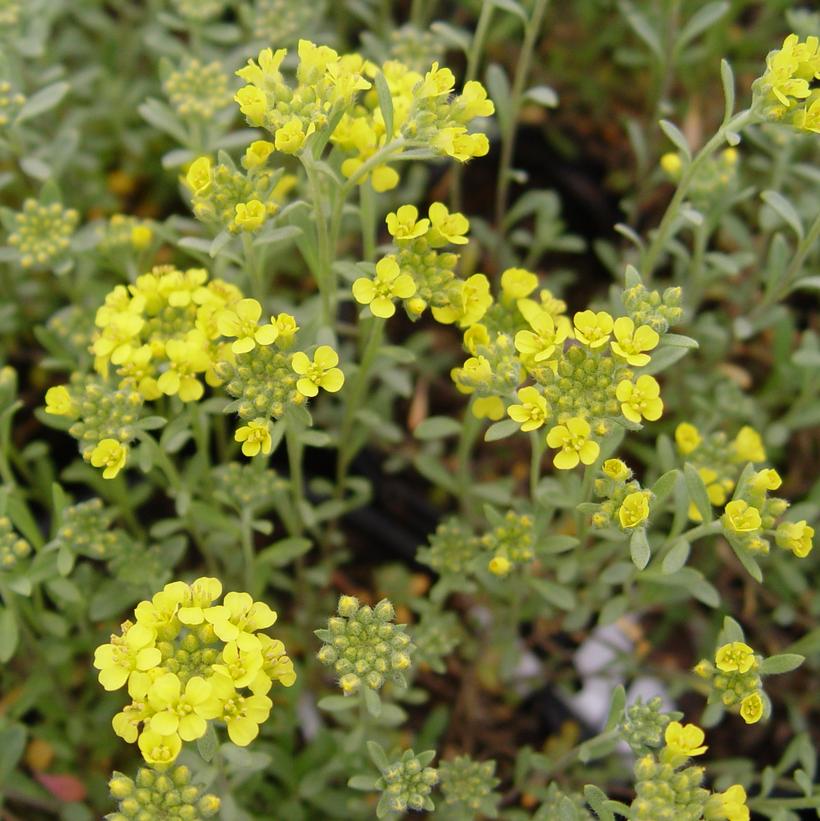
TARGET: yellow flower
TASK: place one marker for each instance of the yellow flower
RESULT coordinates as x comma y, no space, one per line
592,329
470,305
59,401
455,142
533,410
765,480
488,407
684,741
545,336
687,438
241,321
751,708
631,342
634,509
795,536
201,594
437,81
179,712
257,153
238,618
286,328
474,102
242,714
735,657
159,749
499,566
141,236
110,455
200,175
404,223
389,284
290,137
447,227
320,373
729,805
187,357
250,215
640,399
748,446
740,517
576,446
671,164
255,437
517,283
276,666
616,469
133,651
241,666
253,104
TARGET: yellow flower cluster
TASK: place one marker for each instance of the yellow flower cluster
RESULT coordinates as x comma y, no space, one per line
187,660
788,91
736,680
625,501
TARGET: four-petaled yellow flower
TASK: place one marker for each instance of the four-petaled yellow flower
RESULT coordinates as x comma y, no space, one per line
539,343
250,215
59,401
616,469
238,617
533,410
592,329
447,227
729,805
735,657
573,439
241,321
748,446
159,749
404,223
795,536
388,284
640,399
188,357
255,437
200,175
320,373
291,137
634,509
631,342
257,153
684,740
687,438
110,455
133,651
182,712
242,714
751,708
518,283
740,517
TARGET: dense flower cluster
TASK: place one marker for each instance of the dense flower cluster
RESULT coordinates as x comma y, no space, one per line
717,174
364,646
453,548
13,548
160,794
735,679
125,232
196,90
510,542
187,660
85,530
643,724
788,91
468,785
406,784
626,503
42,233
282,21
11,101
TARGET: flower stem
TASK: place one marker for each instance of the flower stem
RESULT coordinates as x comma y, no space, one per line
470,428
294,446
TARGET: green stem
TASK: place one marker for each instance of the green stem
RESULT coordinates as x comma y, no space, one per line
538,445
667,225
253,268
324,274
248,552
367,218
470,428
700,531
294,446
522,71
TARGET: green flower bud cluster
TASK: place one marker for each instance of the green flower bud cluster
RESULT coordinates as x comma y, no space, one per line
125,231
262,381
73,328
13,547
102,412
160,794
245,487
504,373
84,530
11,101
193,655
417,49
642,725
10,11
664,793
453,548
432,271
406,784
613,485
198,90
42,233
364,646
555,805
510,543
283,22
645,307
437,635
469,785
199,11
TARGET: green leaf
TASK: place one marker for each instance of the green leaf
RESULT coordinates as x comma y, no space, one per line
43,100
697,492
499,88
555,594
785,210
556,544
437,427
512,7
639,548
337,704
727,78
731,631
616,708
781,663
362,782
285,551
596,798
501,430
748,561
12,746
372,701
676,137
640,25
377,755
676,558
9,634
701,20
385,104
542,95
208,744
454,37
664,486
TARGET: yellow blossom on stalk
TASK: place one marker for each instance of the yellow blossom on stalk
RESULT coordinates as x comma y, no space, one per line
241,321
592,329
640,399
290,137
141,236
751,708
187,357
320,373
286,328
634,509
740,517
200,595
110,455
748,446
575,445
404,223
159,749
631,342
470,304
133,651
671,163
252,103
474,101
257,153
735,657
795,536
241,666
276,666
687,438
200,175
684,740
249,216
182,712
615,469
255,437
765,480
59,401
457,143
242,714
518,283
729,805
546,335
499,566
446,227
532,412
488,407
238,618
388,284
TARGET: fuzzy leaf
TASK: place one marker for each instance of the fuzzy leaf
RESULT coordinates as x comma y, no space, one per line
781,663
639,548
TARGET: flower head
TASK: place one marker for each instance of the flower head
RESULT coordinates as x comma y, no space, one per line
110,455
320,373
532,412
631,342
795,536
735,657
446,227
640,399
748,446
575,445
388,284
255,437
404,223
751,708
241,321
59,401
517,283
687,438
729,805
634,509
684,740
740,517
593,329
